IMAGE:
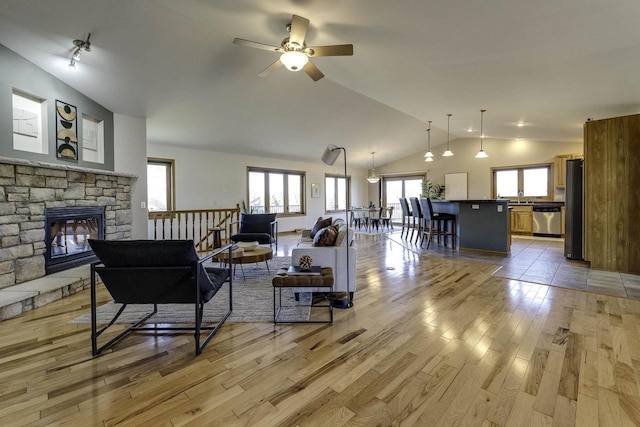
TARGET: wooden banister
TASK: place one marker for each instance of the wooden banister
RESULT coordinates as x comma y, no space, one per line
196,224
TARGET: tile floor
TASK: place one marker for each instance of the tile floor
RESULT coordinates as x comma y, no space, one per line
541,260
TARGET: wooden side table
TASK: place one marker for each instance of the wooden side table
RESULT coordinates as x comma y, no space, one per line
243,256
282,280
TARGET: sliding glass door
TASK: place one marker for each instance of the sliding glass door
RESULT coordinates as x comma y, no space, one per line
394,188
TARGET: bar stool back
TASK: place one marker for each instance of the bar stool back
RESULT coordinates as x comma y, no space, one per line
438,224
406,214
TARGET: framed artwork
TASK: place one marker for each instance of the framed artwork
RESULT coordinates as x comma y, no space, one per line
66,131
315,190
455,186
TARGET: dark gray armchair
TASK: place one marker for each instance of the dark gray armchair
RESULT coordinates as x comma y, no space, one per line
261,228
157,272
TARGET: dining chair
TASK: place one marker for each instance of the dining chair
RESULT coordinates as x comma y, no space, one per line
375,218
386,218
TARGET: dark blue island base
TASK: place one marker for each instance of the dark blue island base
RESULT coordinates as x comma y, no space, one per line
481,225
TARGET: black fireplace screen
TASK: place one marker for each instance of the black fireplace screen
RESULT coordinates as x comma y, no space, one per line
67,234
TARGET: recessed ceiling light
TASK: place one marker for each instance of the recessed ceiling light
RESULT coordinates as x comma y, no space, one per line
520,124
470,130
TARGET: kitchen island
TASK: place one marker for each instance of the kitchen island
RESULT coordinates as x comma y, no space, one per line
481,225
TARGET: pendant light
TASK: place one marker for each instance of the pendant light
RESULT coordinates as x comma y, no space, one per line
428,157
373,178
481,154
448,153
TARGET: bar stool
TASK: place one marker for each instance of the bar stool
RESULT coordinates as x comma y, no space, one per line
417,216
406,214
437,219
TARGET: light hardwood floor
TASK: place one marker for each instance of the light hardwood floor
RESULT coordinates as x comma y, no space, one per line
431,341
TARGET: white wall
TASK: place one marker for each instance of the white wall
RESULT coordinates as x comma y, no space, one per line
130,156
501,153
208,179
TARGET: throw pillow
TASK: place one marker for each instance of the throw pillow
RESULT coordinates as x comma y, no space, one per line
319,225
326,236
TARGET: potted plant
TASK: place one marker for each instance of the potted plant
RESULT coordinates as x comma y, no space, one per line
432,191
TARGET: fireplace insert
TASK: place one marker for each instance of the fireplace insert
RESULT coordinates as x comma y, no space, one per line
67,232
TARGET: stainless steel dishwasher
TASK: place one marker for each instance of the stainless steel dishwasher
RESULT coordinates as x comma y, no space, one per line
547,220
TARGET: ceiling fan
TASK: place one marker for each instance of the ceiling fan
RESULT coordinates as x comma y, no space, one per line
295,53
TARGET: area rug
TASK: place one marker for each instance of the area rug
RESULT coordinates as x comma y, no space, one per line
252,301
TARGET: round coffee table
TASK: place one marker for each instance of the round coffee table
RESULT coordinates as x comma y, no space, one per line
244,256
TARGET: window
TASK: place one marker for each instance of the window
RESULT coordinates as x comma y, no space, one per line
160,184
336,194
528,182
275,191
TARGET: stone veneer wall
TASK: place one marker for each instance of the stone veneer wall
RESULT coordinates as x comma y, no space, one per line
27,188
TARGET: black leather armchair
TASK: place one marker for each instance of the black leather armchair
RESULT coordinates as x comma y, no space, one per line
157,272
261,228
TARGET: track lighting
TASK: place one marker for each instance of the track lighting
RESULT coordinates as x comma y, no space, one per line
80,45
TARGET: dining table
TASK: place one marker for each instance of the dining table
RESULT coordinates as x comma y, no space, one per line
366,214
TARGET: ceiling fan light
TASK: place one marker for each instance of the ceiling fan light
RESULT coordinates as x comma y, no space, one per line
294,60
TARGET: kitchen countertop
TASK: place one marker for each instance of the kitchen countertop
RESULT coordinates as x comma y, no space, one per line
472,201
540,203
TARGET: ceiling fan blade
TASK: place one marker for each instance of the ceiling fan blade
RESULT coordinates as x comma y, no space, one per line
313,71
270,69
334,50
299,26
249,43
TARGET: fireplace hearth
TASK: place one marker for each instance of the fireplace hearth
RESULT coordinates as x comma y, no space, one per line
67,233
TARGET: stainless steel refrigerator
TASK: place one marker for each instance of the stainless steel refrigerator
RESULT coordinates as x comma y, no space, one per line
574,210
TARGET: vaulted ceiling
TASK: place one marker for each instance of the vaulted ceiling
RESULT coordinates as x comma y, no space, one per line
550,64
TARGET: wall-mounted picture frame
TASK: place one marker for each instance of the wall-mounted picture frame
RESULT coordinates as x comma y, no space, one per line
66,131
315,191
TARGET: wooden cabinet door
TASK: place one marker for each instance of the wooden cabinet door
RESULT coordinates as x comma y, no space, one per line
522,220
560,169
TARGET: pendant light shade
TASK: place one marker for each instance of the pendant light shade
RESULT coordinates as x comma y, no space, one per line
373,178
428,157
481,154
448,153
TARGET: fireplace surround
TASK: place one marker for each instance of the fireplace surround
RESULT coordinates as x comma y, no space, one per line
67,232
29,189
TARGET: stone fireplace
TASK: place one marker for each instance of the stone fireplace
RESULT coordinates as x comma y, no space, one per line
28,190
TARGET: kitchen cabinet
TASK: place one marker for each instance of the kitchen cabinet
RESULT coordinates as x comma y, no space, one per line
560,169
522,219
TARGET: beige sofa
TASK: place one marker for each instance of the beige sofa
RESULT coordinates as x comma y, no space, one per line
331,256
